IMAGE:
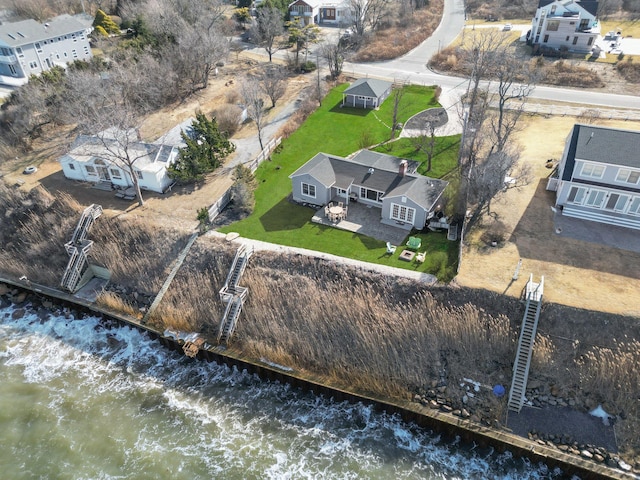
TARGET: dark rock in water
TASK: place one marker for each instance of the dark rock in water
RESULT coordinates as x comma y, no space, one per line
20,297
43,314
18,313
3,289
4,302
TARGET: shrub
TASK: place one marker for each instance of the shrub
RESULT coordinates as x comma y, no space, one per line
229,118
101,31
307,66
102,20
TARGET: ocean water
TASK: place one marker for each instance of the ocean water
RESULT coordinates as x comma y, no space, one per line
80,400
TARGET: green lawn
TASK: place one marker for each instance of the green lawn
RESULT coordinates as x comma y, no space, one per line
337,131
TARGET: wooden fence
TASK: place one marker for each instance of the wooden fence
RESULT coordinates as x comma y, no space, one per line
215,209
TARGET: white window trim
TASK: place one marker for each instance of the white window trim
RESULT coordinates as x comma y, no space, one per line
593,167
402,213
310,187
624,174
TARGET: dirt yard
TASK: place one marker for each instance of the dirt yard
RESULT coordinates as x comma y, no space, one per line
576,273
178,208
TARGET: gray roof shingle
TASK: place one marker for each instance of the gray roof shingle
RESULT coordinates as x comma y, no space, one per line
607,145
375,171
29,31
368,87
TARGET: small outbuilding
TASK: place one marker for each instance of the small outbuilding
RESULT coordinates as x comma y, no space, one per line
366,93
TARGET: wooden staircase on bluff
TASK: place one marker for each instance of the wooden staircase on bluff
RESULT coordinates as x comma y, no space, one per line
233,295
533,296
78,248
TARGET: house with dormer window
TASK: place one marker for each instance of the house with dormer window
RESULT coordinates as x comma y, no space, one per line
30,48
569,25
598,178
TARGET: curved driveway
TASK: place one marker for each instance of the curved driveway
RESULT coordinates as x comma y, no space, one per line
412,67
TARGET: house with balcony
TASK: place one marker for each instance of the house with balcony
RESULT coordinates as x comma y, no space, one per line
565,25
391,185
598,178
30,48
321,12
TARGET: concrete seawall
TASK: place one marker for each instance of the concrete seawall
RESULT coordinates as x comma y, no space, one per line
446,424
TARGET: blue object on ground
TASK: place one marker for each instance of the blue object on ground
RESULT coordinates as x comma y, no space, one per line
499,390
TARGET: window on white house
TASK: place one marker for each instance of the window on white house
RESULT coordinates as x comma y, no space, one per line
402,213
38,47
91,170
19,52
634,208
374,195
628,176
139,174
309,190
576,195
617,202
13,70
72,166
592,170
552,25
595,198
115,173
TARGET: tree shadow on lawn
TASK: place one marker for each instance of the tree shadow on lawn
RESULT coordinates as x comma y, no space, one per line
286,216
359,112
535,238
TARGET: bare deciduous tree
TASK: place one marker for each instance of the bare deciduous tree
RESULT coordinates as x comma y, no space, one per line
252,95
367,14
273,81
397,95
333,53
498,88
267,30
105,110
426,142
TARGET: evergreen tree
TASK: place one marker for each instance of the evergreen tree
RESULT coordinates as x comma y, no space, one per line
205,150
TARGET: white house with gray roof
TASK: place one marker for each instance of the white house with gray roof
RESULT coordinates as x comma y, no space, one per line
565,24
366,93
30,48
405,198
598,178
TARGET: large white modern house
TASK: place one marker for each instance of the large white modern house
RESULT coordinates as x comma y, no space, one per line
29,48
598,178
569,25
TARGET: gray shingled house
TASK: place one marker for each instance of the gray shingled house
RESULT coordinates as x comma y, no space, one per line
405,198
30,48
366,93
598,176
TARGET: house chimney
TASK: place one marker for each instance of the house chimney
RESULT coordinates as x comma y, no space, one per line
403,168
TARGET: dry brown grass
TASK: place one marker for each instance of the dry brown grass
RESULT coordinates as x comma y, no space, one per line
630,71
403,35
35,225
112,301
375,334
551,72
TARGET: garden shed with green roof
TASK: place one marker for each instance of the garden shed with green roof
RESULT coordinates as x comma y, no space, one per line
366,93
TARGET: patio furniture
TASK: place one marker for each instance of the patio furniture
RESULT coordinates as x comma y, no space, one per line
340,204
407,255
420,257
414,243
391,249
335,213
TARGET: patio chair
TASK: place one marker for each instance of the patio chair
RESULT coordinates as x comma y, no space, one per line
414,243
391,249
341,204
420,257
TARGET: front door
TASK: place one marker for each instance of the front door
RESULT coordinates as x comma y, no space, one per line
104,174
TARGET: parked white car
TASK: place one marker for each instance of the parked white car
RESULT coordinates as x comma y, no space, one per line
507,27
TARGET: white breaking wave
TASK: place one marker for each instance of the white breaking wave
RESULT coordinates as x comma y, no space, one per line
110,403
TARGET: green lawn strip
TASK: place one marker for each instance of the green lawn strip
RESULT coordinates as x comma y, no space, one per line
339,131
445,154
